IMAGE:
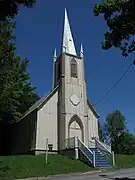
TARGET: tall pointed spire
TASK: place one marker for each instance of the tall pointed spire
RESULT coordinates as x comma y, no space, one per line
55,55
81,51
54,59
68,43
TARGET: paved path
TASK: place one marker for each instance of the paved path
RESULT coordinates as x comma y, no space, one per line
129,173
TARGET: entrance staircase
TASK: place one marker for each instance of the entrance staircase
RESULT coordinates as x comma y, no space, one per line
100,158
100,155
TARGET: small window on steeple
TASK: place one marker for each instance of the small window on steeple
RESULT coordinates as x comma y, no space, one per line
73,68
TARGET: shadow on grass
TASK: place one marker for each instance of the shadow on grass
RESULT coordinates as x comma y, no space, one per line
3,168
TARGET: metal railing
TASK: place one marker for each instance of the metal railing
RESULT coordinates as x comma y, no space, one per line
76,143
103,146
87,152
106,150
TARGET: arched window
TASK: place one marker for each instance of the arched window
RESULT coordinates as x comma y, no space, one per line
73,68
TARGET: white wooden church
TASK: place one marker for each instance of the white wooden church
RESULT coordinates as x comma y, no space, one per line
65,112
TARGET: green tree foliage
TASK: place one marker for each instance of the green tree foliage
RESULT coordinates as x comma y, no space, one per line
122,141
16,92
115,126
120,18
125,144
10,8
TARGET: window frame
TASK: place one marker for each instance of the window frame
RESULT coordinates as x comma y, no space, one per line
73,68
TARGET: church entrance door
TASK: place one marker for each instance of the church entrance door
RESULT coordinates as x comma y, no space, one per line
75,128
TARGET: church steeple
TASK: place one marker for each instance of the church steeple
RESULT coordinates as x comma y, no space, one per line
55,55
54,59
68,42
81,51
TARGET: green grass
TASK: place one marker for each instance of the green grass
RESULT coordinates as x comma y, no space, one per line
34,166
12,167
125,161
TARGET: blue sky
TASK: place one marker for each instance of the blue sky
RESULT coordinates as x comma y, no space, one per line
39,31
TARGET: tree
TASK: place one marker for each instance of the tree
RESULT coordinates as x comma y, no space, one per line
120,18
16,92
10,8
122,141
126,143
115,126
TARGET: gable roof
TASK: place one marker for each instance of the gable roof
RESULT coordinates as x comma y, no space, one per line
93,108
40,102
45,98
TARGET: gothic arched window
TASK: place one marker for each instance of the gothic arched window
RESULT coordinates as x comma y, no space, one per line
73,68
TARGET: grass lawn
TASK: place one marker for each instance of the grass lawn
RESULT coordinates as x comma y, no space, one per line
125,161
12,167
34,166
